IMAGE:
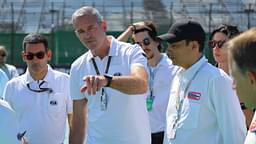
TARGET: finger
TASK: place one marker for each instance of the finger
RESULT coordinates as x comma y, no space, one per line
83,88
95,85
91,83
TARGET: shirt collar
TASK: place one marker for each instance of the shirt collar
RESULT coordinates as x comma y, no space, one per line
190,72
113,50
47,78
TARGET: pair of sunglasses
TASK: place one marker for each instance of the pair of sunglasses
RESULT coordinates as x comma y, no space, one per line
3,55
39,55
214,44
145,41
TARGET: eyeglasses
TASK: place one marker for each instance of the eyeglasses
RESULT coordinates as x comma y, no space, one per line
39,55
145,42
41,89
214,44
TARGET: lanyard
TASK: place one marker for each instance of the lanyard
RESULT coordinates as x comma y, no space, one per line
104,97
152,72
179,100
96,67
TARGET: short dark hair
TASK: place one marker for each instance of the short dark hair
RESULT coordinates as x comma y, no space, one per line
34,38
151,29
229,30
243,49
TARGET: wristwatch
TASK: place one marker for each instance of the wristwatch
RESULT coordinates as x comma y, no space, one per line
109,79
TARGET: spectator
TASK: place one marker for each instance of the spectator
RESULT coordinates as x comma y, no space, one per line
3,81
218,37
161,73
108,86
202,106
9,70
40,97
242,63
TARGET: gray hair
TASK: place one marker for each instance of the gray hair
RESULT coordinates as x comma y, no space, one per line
87,10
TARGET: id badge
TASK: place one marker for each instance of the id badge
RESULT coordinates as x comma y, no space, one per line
150,103
103,101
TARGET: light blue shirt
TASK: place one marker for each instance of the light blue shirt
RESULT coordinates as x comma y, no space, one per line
3,80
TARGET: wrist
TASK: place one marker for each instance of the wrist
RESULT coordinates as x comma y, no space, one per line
108,78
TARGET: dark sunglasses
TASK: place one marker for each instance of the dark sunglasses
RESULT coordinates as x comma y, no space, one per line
214,44
39,55
3,55
145,41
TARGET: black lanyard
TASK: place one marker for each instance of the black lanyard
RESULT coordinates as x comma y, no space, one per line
96,67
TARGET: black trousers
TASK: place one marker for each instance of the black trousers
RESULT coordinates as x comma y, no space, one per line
157,138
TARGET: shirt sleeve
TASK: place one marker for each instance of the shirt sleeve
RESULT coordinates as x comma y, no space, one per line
69,100
75,84
230,117
138,57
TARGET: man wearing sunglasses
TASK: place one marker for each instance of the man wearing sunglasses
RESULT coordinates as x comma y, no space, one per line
40,97
218,37
161,72
10,70
202,107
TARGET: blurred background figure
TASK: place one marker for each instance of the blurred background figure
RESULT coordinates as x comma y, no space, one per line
3,81
242,63
9,70
218,38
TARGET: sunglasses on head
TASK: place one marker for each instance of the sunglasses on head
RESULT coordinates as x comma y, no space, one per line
214,44
39,55
145,41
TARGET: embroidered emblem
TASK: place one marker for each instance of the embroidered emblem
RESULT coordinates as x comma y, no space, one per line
53,102
194,95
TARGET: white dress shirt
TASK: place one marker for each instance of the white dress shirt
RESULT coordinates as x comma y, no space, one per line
203,108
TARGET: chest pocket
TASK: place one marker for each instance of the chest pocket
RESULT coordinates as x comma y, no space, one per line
56,104
190,114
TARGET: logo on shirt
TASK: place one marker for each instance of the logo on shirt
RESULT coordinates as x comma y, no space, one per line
253,126
53,102
194,95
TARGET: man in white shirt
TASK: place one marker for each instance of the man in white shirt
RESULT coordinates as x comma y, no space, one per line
242,64
108,86
3,81
40,97
161,73
202,106
10,70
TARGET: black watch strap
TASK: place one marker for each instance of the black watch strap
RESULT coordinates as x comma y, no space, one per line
109,79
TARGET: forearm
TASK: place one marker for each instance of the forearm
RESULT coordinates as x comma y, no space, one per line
79,120
126,34
129,84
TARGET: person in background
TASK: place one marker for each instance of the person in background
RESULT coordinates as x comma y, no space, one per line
218,38
9,70
242,65
40,97
8,124
203,107
161,73
108,86
3,80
